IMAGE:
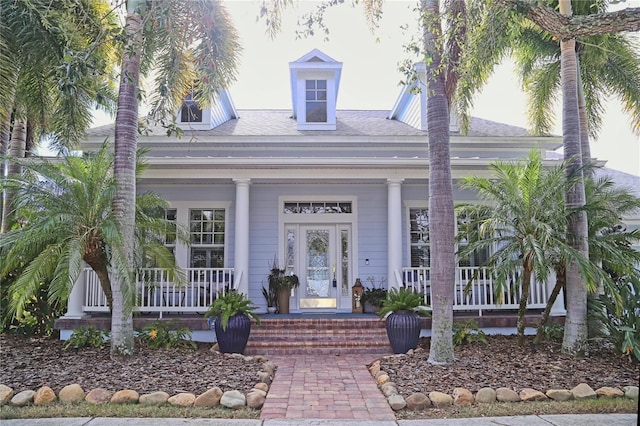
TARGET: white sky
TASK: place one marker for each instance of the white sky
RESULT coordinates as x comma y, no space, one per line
370,73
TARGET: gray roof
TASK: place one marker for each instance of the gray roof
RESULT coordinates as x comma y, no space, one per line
349,123
626,180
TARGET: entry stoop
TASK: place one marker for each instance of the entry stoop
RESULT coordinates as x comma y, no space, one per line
319,336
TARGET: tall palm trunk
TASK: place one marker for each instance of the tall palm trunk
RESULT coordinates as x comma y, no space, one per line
585,148
575,332
441,219
544,319
16,150
124,172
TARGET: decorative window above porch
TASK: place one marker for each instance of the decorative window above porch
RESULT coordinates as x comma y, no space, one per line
315,79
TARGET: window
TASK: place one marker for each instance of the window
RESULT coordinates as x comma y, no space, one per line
190,111
206,230
419,230
316,101
170,236
464,229
321,207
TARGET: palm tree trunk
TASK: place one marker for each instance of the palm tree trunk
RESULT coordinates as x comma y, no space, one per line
16,150
585,148
441,218
560,282
575,331
124,172
522,306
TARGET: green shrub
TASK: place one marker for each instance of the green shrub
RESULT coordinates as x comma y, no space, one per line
87,336
553,332
618,310
468,332
167,335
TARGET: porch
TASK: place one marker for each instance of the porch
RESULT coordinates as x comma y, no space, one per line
160,297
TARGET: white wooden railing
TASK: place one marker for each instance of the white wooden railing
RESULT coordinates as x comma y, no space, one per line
480,293
159,292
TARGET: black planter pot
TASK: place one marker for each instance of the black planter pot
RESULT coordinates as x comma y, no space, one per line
234,338
403,329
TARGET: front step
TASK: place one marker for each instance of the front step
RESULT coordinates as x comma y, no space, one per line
319,336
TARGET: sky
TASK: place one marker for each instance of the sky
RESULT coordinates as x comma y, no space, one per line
370,76
370,73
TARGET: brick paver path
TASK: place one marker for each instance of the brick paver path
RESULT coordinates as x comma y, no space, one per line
324,387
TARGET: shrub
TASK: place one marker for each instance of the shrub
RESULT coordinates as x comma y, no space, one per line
468,332
229,304
403,300
87,336
167,335
618,310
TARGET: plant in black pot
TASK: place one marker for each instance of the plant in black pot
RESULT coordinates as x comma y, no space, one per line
375,295
401,311
232,313
271,297
282,283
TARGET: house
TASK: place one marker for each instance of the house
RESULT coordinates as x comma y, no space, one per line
333,195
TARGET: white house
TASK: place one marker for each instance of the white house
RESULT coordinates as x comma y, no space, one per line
334,195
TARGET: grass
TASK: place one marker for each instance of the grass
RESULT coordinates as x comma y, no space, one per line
594,406
589,406
60,409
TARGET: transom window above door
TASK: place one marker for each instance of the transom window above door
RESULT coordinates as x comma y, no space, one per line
321,207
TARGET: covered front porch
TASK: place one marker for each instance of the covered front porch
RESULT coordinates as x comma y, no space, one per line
162,298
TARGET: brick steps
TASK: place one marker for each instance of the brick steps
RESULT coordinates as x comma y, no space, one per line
319,336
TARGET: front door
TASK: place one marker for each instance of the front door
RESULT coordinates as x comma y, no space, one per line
318,266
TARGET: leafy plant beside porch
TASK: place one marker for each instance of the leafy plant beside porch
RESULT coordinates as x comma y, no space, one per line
401,310
282,284
232,314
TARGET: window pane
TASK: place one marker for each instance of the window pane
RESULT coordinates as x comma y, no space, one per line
311,95
321,84
322,95
316,112
310,84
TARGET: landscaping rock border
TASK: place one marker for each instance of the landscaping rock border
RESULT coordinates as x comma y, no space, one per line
213,397
462,396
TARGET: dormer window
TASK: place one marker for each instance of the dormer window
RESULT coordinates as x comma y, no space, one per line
190,111
316,101
315,79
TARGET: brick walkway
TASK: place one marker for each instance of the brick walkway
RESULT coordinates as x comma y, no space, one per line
324,387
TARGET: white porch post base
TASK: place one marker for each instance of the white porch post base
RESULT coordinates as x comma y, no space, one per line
241,252
394,231
76,299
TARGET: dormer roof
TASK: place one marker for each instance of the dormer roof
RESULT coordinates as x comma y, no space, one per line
314,65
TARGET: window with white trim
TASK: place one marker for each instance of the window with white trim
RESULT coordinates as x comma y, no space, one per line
190,111
420,244
207,236
170,236
478,257
316,101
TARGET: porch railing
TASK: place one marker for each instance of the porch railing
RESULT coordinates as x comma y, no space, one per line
159,291
475,289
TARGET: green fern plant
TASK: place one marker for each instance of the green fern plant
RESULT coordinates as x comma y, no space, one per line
87,336
230,304
468,332
403,300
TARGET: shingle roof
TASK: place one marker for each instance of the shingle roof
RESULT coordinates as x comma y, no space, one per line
349,123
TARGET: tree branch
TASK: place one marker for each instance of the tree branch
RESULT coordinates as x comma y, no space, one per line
565,27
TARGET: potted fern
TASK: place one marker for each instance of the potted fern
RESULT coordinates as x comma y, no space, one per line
401,311
232,313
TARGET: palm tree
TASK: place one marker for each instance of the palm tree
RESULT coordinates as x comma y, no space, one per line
441,215
56,68
193,47
526,219
65,218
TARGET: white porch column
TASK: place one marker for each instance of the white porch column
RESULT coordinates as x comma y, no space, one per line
394,230
76,298
241,252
